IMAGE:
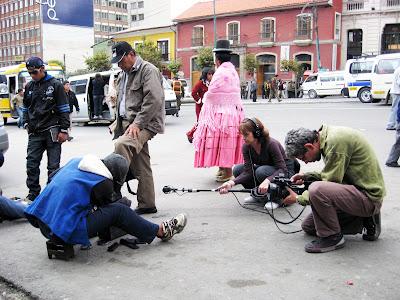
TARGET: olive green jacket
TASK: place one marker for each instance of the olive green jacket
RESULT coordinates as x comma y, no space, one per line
349,159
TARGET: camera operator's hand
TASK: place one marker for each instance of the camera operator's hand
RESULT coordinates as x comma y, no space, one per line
263,187
298,178
223,189
291,199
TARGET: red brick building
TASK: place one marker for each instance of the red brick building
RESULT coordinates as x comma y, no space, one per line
272,30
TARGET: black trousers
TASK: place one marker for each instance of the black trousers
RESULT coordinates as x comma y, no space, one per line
37,144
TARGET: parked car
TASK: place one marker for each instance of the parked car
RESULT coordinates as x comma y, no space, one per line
324,84
3,140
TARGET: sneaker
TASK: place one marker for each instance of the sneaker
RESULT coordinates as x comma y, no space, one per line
372,228
145,210
325,244
173,226
271,205
393,165
250,200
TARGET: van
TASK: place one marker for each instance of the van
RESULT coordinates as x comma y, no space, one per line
357,75
81,85
382,76
324,84
3,140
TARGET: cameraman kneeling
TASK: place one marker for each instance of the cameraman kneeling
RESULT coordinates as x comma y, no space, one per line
350,183
264,158
77,204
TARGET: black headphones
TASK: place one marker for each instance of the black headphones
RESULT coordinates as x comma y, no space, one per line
257,131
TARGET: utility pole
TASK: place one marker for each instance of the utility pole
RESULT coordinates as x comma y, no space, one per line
315,17
215,26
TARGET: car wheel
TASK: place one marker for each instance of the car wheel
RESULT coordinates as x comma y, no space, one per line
365,95
312,94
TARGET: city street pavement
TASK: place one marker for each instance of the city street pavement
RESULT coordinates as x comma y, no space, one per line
225,251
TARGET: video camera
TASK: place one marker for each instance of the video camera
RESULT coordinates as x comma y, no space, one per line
277,188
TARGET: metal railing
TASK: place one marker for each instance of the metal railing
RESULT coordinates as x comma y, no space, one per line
267,36
355,5
392,3
197,42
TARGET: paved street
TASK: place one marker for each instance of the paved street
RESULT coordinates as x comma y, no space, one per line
225,252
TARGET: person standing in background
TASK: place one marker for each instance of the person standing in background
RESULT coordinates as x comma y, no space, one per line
73,101
98,95
17,102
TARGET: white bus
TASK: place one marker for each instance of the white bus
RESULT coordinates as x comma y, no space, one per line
324,84
358,78
82,87
382,76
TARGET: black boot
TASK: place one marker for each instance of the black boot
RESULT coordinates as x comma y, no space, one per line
60,250
372,227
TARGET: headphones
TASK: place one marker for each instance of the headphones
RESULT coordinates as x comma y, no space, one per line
257,131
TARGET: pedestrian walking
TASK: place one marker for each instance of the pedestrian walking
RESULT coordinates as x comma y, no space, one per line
394,154
253,90
140,116
98,95
395,93
17,102
46,118
73,101
217,139
274,88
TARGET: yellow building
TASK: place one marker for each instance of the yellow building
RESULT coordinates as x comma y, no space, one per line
163,37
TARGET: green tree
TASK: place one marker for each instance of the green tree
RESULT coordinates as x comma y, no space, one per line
205,58
175,66
57,62
250,63
150,52
98,62
290,65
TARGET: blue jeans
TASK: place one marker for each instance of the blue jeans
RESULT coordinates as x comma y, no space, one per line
20,117
11,210
123,217
393,113
395,151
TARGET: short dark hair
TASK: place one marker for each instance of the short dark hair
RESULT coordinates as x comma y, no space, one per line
223,56
65,82
19,91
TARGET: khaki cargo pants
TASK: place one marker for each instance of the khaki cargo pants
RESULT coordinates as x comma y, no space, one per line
136,151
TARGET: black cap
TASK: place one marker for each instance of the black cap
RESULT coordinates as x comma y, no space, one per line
34,62
119,50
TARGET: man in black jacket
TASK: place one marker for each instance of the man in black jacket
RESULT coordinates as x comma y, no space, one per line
46,118
73,101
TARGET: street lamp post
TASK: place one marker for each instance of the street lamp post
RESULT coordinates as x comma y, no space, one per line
215,25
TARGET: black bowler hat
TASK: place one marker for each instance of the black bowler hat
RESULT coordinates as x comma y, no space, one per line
119,50
222,46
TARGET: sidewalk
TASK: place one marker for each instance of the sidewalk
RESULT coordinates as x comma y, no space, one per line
190,100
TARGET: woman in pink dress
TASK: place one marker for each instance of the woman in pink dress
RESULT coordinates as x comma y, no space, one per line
217,139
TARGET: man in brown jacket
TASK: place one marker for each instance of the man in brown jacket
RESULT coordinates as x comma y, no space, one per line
140,116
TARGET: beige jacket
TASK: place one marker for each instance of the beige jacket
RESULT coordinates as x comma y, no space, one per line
144,100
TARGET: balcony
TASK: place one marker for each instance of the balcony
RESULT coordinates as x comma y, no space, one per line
303,37
355,6
393,3
197,42
267,39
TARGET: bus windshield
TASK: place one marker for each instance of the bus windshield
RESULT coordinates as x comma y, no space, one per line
79,86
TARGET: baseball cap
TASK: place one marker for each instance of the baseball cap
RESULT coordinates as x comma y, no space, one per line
119,50
34,62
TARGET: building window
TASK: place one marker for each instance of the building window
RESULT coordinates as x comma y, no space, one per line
133,5
338,26
305,60
304,30
391,38
141,17
163,46
233,32
198,36
354,43
141,4
133,18
268,29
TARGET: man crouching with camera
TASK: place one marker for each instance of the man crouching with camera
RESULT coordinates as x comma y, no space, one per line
350,183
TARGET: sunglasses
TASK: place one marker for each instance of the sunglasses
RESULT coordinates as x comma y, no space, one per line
33,72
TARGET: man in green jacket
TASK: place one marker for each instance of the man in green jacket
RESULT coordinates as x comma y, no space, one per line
351,182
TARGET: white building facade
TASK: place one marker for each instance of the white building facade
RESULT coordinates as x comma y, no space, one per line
370,27
155,13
